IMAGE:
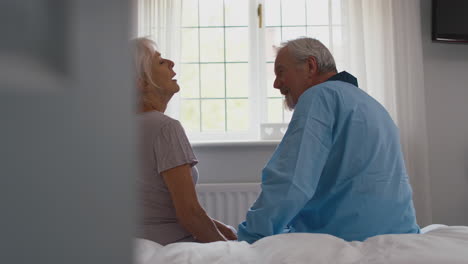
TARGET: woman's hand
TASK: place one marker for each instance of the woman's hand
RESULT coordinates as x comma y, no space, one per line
189,212
225,230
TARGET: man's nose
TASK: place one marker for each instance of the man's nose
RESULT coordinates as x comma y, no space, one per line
277,83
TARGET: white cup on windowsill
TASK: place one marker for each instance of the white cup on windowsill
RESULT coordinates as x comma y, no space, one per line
272,131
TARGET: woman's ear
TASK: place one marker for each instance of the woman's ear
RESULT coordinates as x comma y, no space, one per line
142,85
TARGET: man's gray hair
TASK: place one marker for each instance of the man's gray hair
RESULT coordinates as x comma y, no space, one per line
302,48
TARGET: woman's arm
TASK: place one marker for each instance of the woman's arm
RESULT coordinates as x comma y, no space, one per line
189,211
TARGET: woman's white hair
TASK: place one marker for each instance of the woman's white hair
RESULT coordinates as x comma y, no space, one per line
302,48
143,50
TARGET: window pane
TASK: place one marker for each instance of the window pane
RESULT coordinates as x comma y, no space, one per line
211,13
211,45
270,73
189,47
293,12
237,44
236,12
213,117
293,32
238,115
275,110
272,39
237,79
272,13
321,33
190,115
190,13
212,80
188,80
336,12
317,12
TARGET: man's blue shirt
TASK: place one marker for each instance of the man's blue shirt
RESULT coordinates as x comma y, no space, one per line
339,170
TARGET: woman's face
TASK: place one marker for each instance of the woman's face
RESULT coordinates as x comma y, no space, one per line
163,74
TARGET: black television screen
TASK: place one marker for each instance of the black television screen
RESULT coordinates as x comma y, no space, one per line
450,20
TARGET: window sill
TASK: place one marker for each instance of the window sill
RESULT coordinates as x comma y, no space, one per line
236,143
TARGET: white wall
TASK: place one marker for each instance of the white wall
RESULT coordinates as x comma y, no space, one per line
446,81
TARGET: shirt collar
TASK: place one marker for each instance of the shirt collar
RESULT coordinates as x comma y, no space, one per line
344,77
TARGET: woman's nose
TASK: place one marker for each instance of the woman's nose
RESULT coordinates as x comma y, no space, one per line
171,64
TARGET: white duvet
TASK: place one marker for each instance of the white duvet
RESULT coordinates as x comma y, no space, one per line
440,244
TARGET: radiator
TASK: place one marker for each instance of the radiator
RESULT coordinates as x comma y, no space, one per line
228,202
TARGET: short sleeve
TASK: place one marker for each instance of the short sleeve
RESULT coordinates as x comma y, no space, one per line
172,148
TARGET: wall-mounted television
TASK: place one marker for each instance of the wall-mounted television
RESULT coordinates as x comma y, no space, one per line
450,21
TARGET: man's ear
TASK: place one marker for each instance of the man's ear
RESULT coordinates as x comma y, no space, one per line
312,65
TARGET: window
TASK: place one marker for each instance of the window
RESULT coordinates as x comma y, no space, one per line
214,97
226,61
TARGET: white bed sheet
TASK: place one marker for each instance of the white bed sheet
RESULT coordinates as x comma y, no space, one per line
440,244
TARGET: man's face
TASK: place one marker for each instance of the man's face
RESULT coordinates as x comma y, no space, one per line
291,77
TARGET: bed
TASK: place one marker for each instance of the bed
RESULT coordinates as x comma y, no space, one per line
437,244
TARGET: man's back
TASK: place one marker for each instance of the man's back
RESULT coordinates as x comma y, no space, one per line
364,188
339,170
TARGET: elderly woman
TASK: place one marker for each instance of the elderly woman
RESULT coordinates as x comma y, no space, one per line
170,208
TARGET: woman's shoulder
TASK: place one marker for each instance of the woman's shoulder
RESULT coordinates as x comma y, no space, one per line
160,125
158,119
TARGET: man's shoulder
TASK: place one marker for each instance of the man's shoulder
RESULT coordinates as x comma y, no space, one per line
346,92
328,88
336,96
337,86
321,94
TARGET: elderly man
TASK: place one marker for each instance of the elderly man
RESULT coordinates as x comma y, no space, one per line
339,169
